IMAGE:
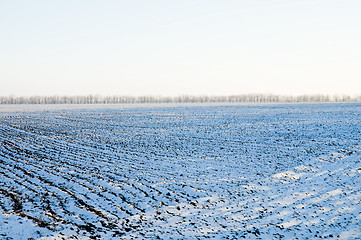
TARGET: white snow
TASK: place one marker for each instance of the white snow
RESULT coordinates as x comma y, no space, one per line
182,172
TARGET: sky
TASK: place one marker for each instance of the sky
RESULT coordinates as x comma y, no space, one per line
177,47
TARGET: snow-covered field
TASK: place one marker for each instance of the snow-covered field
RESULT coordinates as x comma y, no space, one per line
181,172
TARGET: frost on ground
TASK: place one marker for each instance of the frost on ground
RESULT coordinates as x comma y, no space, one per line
253,172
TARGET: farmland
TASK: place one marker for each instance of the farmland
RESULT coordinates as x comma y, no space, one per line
280,171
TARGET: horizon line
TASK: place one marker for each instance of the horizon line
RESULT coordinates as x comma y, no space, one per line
186,98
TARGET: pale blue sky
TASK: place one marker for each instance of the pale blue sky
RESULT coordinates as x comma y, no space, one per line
180,47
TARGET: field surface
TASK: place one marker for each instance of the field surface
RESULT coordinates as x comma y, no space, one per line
181,172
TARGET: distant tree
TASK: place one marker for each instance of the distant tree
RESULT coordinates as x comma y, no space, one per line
244,98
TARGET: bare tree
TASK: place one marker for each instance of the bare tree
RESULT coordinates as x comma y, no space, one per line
244,98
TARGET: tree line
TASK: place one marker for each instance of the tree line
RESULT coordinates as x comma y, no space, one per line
243,98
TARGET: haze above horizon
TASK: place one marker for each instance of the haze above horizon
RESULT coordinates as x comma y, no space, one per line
174,48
